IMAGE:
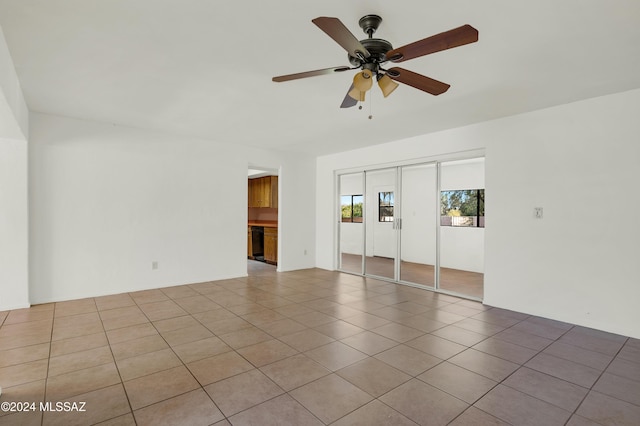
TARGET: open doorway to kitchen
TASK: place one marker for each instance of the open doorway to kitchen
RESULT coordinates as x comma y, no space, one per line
262,218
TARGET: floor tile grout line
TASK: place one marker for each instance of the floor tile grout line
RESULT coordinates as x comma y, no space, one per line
575,411
46,383
181,361
501,382
541,351
474,402
258,369
118,370
511,327
271,399
398,344
235,350
113,360
46,380
447,360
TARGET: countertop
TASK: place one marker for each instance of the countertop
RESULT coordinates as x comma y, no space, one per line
264,223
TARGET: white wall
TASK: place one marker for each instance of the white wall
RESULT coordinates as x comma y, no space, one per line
107,201
14,115
581,163
297,206
14,232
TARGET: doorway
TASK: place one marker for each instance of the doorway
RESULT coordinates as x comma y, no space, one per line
412,224
262,215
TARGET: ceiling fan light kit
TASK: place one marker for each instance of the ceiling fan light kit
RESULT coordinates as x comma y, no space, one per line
371,53
363,81
387,85
357,95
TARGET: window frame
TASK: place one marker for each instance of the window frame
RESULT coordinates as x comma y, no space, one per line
389,206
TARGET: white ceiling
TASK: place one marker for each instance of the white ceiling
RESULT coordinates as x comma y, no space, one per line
203,68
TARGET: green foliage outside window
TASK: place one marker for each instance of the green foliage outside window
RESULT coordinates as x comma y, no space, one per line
466,206
351,206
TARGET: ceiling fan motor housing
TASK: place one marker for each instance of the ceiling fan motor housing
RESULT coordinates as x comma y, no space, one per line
378,49
369,24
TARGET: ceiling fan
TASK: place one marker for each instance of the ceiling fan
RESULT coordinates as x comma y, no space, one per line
371,53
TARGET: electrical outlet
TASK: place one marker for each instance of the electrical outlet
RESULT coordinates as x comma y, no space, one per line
537,212
154,265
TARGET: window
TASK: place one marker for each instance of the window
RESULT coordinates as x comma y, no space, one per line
463,207
351,206
385,206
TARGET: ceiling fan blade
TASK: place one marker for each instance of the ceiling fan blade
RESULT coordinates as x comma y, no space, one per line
337,31
348,101
306,74
418,81
453,38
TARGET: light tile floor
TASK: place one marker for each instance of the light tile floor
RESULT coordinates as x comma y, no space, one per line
309,347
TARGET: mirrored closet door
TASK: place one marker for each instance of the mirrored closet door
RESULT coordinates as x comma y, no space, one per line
419,224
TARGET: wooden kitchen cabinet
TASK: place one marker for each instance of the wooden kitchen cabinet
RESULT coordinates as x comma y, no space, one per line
255,192
249,244
263,192
271,245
